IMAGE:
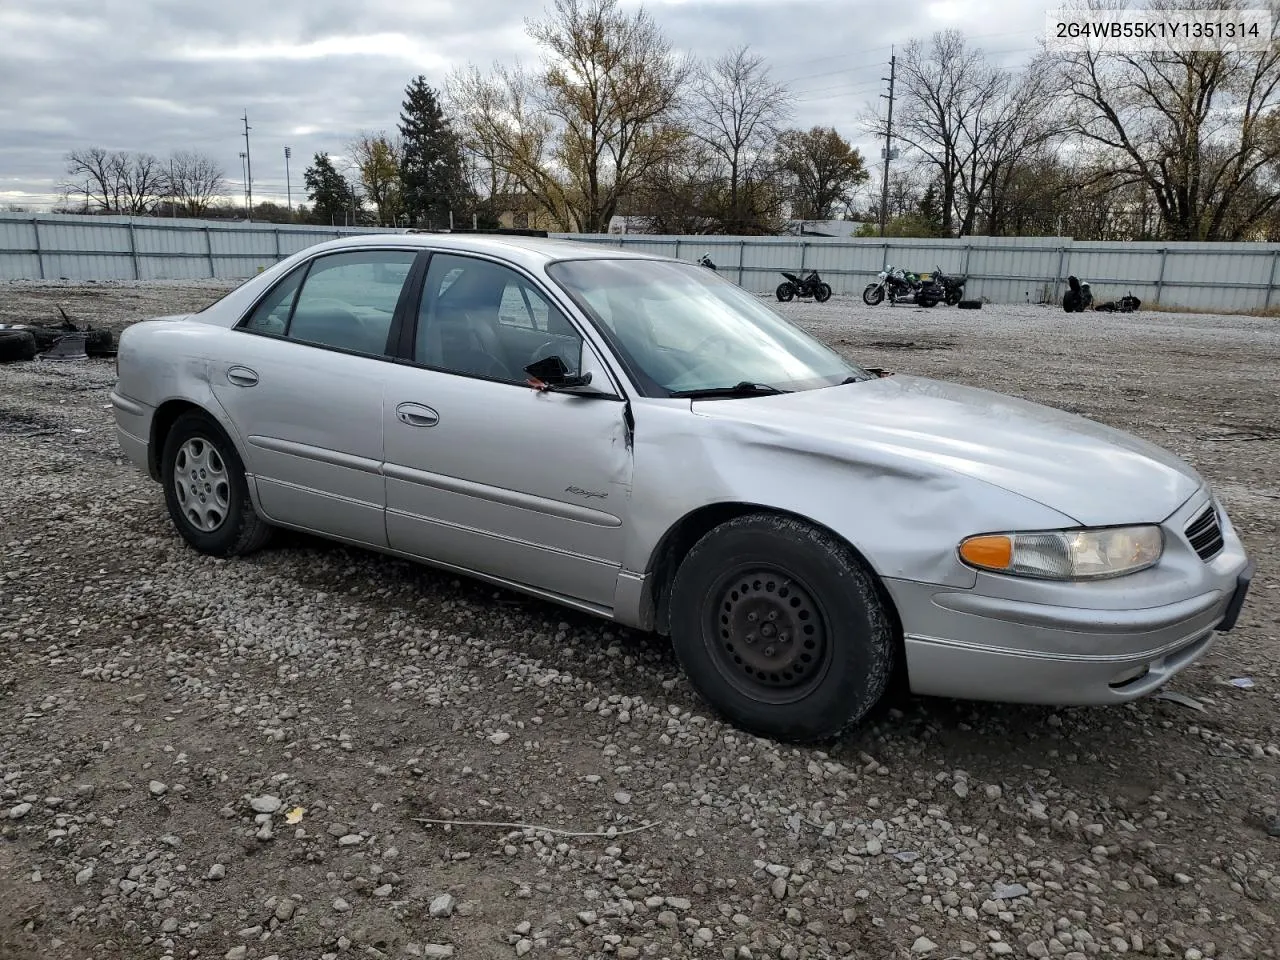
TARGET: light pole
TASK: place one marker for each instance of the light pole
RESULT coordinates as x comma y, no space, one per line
288,185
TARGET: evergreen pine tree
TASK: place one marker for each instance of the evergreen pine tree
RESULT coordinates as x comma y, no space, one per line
328,191
431,168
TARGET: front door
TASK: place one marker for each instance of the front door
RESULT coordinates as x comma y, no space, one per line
486,474
304,387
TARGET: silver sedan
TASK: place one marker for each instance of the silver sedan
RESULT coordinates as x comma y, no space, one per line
638,438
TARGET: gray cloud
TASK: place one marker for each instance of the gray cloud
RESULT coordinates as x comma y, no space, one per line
159,76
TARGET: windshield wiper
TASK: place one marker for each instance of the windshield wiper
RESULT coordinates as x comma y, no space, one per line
744,389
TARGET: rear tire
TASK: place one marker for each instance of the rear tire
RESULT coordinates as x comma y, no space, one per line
206,491
780,628
873,294
786,291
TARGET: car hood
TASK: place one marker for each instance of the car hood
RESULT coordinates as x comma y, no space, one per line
1093,473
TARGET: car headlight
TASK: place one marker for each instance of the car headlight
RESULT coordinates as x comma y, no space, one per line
1084,554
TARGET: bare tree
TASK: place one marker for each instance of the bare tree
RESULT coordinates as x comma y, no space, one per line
118,181
1197,129
736,112
1010,124
376,158
195,181
96,173
945,87
592,123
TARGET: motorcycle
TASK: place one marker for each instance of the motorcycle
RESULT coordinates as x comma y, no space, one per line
1079,298
706,261
952,287
903,286
806,285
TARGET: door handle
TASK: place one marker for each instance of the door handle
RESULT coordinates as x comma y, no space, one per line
417,415
241,376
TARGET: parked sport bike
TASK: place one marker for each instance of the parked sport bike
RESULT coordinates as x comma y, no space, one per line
706,261
902,286
806,285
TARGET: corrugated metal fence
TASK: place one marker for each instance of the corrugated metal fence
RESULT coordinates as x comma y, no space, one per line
1214,276
54,247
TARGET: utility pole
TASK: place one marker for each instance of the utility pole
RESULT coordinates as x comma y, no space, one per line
288,185
888,145
245,177
248,182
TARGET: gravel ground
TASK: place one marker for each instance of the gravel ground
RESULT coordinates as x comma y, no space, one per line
231,759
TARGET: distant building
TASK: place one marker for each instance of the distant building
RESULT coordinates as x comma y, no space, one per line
821,228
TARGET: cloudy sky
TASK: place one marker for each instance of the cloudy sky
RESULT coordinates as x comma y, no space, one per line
160,75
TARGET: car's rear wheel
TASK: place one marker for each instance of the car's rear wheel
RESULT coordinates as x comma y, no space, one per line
780,627
206,491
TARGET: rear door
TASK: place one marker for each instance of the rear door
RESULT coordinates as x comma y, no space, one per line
303,383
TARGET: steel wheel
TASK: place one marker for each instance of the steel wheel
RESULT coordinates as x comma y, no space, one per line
202,484
769,636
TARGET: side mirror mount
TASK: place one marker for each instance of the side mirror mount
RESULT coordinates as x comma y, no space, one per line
550,373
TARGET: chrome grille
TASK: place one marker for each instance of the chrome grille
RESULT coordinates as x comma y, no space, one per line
1205,534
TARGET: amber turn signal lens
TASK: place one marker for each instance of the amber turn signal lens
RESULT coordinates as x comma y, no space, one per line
991,552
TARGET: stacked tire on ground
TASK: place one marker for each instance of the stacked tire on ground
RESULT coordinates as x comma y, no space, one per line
17,345
25,341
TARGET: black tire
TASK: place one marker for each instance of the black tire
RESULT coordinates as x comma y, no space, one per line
954,297
16,345
97,343
833,656
786,291
873,294
823,293
241,530
926,300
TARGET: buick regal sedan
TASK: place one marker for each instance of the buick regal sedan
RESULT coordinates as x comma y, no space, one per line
639,438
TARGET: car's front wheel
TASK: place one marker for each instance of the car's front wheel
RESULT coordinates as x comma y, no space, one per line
206,491
779,626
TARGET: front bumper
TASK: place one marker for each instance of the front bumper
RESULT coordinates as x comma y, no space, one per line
1109,644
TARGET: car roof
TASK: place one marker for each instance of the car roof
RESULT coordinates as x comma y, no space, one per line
524,250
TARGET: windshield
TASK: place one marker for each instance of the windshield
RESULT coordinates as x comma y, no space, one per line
680,328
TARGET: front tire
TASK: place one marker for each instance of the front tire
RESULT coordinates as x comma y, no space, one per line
786,291
780,628
873,294
823,293
206,491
